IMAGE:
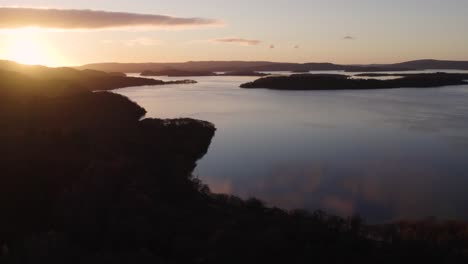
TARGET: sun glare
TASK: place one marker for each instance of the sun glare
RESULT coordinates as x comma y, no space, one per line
27,47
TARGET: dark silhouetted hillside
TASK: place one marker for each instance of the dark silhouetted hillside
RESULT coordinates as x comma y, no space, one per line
211,66
433,65
85,79
206,66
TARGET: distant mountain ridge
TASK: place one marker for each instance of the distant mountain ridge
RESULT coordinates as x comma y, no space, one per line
434,64
224,66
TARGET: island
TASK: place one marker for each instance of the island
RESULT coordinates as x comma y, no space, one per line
300,71
244,73
86,178
344,82
440,74
176,73
184,73
377,69
186,81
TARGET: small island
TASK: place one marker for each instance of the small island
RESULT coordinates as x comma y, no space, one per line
244,73
300,71
380,68
186,81
343,82
184,73
176,73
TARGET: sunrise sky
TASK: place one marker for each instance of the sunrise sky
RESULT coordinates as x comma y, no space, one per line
352,32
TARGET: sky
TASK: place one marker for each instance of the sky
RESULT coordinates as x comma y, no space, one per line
71,32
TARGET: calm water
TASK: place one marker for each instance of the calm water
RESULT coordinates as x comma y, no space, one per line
385,154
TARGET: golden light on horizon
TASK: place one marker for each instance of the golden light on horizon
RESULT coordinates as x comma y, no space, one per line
26,46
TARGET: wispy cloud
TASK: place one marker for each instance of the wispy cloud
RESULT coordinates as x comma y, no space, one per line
142,42
349,38
134,42
242,41
91,19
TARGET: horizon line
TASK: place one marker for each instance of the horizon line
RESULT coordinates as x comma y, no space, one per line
241,61
267,61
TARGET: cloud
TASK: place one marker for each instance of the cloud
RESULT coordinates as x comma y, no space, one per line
141,42
90,19
349,38
242,41
134,42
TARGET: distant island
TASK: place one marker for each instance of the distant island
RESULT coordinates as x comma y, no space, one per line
243,73
176,73
266,66
377,69
187,81
184,73
343,82
400,74
300,71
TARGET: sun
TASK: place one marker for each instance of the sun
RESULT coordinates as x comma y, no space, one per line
27,47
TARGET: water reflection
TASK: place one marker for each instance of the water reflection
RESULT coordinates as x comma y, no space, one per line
384,154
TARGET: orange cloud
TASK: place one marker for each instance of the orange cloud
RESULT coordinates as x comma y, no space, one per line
90,19
249,42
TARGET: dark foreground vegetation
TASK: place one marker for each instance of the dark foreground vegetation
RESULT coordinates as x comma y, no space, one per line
84,179
343,82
